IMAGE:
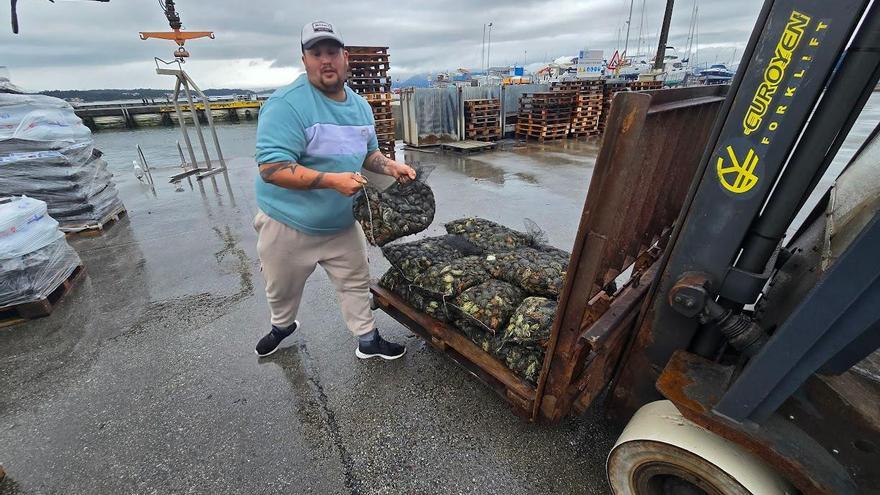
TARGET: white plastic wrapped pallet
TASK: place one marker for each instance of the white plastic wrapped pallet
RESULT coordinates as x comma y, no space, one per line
47,153
38,122
34,255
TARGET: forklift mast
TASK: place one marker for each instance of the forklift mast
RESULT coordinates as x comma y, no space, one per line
807,72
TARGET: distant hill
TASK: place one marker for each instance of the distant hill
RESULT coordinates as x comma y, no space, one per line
93,95
90,95
416,81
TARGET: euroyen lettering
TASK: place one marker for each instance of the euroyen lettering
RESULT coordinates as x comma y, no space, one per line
775,71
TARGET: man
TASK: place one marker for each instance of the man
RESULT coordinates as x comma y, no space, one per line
313,138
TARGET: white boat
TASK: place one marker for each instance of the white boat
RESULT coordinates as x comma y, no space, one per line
716,74
674,69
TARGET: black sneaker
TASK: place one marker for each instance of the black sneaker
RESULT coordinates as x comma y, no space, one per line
269,344
379,347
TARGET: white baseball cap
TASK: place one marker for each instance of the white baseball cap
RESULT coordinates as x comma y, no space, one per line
316,31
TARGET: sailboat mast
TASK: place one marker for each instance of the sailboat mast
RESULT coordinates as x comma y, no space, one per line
664,35
690,37
628,23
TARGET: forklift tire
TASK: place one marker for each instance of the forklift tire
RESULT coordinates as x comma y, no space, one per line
662,453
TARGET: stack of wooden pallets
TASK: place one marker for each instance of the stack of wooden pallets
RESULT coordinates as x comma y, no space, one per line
545,116
608,91
588,97
644,85
368,77
611,88
482,119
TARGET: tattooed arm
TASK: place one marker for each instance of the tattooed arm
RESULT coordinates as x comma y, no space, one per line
292,175
378,163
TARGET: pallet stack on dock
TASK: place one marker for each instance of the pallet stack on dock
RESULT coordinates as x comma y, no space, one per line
368,77
482,119
644,85
545,116
612,88
608,91
47,153
587,96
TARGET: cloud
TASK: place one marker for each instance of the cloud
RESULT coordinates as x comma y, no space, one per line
95,45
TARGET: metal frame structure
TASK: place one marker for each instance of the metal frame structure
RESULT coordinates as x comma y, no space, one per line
183,81
146,168
836,326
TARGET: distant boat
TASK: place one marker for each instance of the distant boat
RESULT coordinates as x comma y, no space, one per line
673,73
716,74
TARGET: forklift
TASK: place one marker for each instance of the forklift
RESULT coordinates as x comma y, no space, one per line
752,365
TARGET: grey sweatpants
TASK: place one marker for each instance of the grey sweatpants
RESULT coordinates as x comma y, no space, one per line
288,257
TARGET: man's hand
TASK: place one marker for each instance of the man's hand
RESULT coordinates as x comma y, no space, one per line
378,163
401,172
346,183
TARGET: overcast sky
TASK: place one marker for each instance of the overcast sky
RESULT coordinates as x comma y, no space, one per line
91,45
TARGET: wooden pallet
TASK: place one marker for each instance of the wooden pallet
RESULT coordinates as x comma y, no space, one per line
485,105
444,338
18,313
97,228
491,132
378,98
543,121
367,50
482,120
580,134
543,139
385,131
370,64
467,147
645,85
483,113
541,131
371,89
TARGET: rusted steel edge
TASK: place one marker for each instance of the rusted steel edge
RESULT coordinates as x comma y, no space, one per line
629,117
621,308
695,384
692,102
455,340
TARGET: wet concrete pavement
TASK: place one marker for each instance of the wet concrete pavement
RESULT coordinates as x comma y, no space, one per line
144,379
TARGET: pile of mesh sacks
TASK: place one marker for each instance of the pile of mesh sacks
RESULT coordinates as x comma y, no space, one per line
496,285
47,153
34,255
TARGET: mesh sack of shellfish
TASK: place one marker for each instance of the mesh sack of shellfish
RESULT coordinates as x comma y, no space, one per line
489,235
413,258
538,272
488,305
431,306
531,323
451,278
394,281
397,211
524,361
